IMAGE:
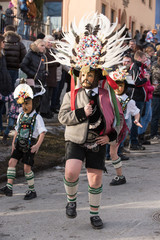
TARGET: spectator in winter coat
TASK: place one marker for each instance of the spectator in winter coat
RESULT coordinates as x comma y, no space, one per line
33,63
9,14
133,47
51,80
5,80
139,94
2,22
22,11
150,53
137,36
150,35
14,51
31,14
155,138
147,110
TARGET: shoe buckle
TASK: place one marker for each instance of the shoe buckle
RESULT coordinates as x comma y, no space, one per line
116,178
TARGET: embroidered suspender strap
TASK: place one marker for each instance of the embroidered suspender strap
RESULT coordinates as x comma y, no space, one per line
20,123
33,121
124,104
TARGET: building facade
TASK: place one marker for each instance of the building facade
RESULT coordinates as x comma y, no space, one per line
136,14
157,19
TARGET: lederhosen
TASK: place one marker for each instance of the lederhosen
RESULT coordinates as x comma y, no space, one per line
24,140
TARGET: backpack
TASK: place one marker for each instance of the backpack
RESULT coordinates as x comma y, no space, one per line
23,6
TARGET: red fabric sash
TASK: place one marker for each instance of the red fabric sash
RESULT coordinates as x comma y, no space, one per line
73,93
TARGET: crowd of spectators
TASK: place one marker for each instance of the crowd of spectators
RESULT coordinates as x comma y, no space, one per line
142,62
22,14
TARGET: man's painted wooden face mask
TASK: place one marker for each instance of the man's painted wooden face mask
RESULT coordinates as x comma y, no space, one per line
88,80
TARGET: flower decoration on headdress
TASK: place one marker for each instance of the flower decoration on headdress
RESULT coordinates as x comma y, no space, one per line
119,75
23,92
93,43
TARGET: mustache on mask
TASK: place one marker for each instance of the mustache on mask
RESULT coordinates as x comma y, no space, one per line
86,81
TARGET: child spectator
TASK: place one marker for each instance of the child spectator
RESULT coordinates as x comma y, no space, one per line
9,15
13,112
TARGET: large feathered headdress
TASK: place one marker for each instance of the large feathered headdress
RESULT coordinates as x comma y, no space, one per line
93,44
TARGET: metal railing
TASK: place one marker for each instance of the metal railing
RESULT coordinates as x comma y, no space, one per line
34,27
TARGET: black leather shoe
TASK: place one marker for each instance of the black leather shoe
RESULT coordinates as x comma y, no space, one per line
71,210
96,222
118,181
30,195
6,191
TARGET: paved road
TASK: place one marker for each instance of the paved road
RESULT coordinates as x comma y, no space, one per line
129,212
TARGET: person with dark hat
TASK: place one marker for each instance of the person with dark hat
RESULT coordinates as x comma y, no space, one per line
91,114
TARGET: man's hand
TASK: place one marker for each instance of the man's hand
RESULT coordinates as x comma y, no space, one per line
102,140
88,109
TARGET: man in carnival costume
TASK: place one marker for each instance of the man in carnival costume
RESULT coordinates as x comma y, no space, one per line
29,126
92,115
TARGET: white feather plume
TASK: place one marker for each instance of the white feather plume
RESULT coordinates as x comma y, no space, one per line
111,42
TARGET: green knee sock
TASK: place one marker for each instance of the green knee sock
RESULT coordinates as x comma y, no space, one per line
94,199
71,190
30,180
11,174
